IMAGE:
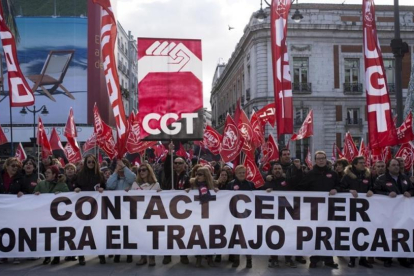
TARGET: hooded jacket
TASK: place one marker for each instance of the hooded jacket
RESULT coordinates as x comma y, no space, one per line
355,180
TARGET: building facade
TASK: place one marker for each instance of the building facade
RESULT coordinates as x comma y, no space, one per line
327,69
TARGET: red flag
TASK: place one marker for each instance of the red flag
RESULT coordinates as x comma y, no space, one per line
406,152
340,153
211,140
364,151
72,150
247,132
270,150
104,137
70,128
160,152
386,154
258,128
334,152
55,143
3,138
181,152
252,172
361,148
108,39
382,131
42,140
405,131
307,128
267,114
20,153
350,150
19,90
90,143
191,154
134,143
282,81
232,142
308,160
376,155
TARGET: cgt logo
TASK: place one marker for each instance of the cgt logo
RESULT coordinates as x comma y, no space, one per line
172,129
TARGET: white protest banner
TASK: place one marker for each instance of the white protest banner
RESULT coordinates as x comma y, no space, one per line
175,223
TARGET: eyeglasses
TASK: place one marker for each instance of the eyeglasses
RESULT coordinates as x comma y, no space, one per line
14,165
178,163
142,170
91,162
200,174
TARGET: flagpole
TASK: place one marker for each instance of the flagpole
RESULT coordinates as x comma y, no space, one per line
172,165
11,132
199,154
38,161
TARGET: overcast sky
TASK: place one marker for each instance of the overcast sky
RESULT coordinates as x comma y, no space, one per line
207,20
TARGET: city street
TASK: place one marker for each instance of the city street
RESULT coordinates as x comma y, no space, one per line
92,267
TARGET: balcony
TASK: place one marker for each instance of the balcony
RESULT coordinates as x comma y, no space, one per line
357,122
391,88
302,88
353,88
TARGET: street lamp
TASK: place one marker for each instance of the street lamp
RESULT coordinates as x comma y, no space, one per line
261,15
43,110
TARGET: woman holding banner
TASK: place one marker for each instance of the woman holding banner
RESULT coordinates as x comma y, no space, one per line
30,176
240,183
89,179
146,181
54,183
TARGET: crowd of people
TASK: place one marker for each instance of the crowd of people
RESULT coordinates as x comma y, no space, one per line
389,179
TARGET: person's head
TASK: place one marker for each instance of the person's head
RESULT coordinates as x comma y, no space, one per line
359,163
393,167
179,165
320,158
52,173
223,176
12,166
48,161
146,174
277,170
204,175
329,164
194,170
56,162
29,165
106,173
285,156
90,164
340,165
380,167
240,172
402,164
70,169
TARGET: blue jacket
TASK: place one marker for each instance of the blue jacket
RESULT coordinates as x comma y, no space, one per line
115,182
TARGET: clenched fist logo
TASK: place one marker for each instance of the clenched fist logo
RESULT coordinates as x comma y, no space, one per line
169,57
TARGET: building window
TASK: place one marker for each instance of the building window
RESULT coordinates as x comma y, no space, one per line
389,65
300,115
300,73
352,83
301,147
353,116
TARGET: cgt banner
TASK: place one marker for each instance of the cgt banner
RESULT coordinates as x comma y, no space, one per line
234,222
170,89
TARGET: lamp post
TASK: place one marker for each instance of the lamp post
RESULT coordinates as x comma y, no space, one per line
399,48
34,111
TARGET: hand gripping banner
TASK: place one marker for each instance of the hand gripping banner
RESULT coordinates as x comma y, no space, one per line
170,89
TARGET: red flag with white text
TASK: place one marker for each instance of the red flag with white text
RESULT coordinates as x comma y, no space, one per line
20,153
306,129
70,128
181,152
134,143
308,160
406,152
247,132
90,143
386,154
20,92
252,172
364,151
267,114
42,140
108,39
212,140
382,131
104,137
282,81
232,142
405,131
3,138
258,128
270,151
350,149
72,150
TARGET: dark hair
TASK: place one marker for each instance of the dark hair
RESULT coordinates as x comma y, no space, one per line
55,171
342,162
284,149
31,160
356,160
389,162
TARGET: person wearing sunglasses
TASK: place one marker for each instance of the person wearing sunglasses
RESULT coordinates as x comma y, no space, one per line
90,179
146,181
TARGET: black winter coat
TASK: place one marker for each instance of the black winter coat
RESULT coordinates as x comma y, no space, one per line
277,184
237,185
319,179
355,180
16,185
385,184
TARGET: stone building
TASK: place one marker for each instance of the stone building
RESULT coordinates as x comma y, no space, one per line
327,69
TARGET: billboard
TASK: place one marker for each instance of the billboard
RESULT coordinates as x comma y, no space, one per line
170,89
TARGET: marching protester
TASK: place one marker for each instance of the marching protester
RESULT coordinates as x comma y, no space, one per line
146,181
121,179
46,163
90,179
54,183
320,179
391,184
181,182
340,166
277,182
222,179
203,182
30,176
357,179
240,183
70,174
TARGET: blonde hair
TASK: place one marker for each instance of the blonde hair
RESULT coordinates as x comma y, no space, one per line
239,167
11,160
151,175
70,165
207,175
